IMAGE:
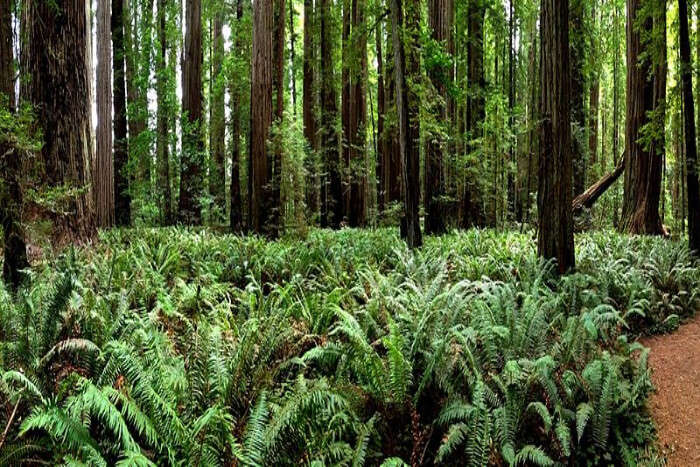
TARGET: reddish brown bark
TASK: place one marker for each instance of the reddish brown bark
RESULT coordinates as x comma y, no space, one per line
440,13
556,226
59,91
645,91
406,64
260,115
103,177
191,164
122,197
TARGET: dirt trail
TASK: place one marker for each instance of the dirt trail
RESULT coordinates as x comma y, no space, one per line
675,360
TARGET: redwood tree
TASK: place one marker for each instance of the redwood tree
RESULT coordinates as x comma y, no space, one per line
260,115
15,249
331,189
440,13
645,93
406,62
103,176
122,197
191,163
58,88
689,120
556,226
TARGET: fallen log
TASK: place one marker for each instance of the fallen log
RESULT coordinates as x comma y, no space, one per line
587,199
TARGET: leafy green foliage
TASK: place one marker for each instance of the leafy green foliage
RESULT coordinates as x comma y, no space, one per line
165,347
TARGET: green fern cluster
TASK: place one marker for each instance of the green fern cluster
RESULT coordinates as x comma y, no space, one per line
177,347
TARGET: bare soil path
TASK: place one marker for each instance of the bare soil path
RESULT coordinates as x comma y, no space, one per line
675,360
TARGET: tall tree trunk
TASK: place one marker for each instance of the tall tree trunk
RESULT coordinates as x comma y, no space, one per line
556,226
512,157
15,249
331,190
58,62
689,121
476,105
345,104
163,119
578,101
191,163
236,211
406,67
381,112
391,147
103,177
276,215
217,120
122,196
261,114
292,57
640,210
358,118
594,100
308,107
440,13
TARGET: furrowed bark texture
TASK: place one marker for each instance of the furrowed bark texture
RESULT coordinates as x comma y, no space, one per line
556,226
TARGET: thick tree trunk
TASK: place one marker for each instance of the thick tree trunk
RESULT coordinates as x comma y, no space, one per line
103,177
689,121
261,115
476,104
407,63
15,249
331,190
391,147
163,118
191,163
556,225
440,13
59,90
236,211
640,210
122,196
308,107
217,121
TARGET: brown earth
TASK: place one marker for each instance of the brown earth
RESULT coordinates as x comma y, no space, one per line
675,406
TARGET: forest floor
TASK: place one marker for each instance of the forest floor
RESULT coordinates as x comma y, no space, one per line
675,360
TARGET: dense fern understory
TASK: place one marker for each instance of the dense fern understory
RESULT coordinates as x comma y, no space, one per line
174,347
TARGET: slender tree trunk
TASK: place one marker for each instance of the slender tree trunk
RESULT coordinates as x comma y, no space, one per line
556,226
103,177
381,112
122,196
476,105
356,212
308,107
594,101
331,190
406,63
689,121
512,159
440,14
15,249
164,109
217,120
640,210
58,61
292,57
276,218
191,162
578,101
236,211
345,104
